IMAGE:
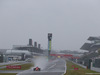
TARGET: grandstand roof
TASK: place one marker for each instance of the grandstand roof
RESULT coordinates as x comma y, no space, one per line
92,46
93,38
86,46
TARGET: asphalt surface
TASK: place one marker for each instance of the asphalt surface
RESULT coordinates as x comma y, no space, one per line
57,67
10,71
43,73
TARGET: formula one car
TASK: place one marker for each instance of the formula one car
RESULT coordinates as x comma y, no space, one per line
36,69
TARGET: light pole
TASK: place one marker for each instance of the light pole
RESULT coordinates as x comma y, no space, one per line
49,44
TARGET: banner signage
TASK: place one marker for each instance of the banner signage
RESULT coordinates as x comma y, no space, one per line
13,67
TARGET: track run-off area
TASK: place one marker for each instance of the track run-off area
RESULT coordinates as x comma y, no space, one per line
56,67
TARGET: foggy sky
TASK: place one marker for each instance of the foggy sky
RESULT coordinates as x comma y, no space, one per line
70,21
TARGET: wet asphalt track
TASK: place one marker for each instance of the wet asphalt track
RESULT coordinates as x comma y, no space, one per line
57,67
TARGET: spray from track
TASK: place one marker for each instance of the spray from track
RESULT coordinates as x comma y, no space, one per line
40,62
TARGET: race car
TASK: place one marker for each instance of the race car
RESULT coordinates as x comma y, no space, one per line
36,69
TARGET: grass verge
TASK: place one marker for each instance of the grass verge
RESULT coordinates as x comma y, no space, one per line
23,67
7,73
80,71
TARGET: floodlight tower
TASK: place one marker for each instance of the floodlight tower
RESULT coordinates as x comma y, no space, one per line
49,43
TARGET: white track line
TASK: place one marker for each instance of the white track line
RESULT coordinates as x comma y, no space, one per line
52,66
